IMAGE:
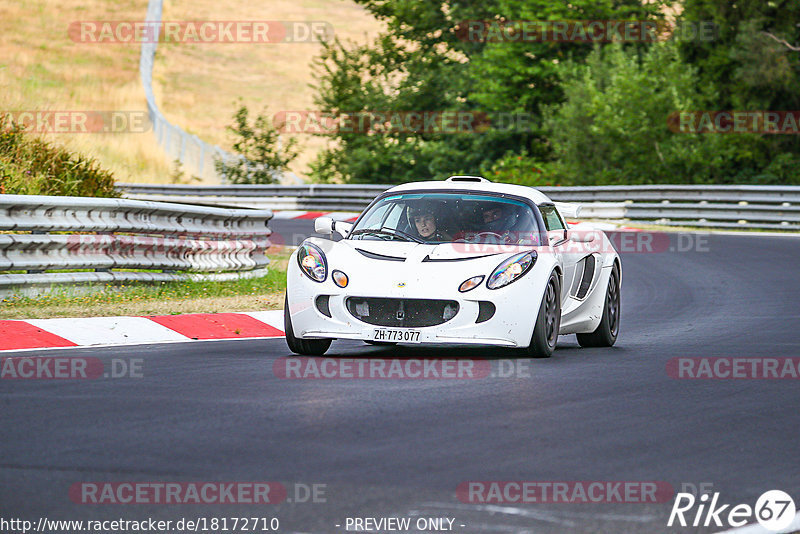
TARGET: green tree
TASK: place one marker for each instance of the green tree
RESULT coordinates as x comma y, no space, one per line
426,62
262,153
752,63
613,127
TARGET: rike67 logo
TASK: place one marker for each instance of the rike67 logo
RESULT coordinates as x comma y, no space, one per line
774,510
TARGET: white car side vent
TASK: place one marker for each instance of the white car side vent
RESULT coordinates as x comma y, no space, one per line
467,179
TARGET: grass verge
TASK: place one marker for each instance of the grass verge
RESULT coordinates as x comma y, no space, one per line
168,298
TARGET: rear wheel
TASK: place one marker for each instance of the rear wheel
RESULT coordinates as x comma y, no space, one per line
548,321
605,335
306,347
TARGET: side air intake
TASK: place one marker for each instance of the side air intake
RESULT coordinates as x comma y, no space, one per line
586,279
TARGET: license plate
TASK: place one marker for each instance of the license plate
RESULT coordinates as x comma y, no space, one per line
396,335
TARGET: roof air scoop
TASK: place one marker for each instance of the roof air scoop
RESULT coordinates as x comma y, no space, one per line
467,179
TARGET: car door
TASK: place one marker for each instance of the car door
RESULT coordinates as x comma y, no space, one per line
559,243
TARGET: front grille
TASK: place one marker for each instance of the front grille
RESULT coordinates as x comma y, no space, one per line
409,313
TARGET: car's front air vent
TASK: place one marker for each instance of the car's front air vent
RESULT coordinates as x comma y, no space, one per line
374,256
486,311
323,305
588,275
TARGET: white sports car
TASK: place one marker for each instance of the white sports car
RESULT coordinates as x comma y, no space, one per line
451,262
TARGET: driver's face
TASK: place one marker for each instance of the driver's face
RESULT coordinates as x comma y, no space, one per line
426,224
492,214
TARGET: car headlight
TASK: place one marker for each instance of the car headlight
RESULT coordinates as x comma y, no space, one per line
470,283
312,262
511,269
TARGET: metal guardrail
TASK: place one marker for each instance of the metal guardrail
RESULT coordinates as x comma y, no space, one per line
709,206
315,197
114,237
713,206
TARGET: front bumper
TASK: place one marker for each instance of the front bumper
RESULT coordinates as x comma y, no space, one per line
511,325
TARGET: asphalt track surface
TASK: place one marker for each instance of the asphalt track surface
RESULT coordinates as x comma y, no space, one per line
215,411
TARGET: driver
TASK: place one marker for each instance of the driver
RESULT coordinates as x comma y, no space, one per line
422,219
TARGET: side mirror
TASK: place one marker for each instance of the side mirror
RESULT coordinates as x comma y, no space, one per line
581,236
326,226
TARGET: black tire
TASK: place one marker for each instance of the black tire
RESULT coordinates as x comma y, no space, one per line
305,347
548,321
380,343
605,335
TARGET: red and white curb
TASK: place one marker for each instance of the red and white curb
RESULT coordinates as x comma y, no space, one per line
80,332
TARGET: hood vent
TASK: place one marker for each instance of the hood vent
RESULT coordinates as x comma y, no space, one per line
374,256
428,258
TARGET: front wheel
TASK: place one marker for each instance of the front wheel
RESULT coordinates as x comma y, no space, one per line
605,335
548,321
305,347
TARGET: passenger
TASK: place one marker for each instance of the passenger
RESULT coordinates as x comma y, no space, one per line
498,218
505,222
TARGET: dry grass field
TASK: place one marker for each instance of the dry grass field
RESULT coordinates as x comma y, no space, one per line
196,85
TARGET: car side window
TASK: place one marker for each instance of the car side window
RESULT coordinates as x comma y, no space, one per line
552,219
376,216
392,220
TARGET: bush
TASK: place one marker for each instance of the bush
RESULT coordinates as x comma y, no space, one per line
520,169
612,128
31,166
258,144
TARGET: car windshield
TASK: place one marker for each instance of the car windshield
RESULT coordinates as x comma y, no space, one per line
449,218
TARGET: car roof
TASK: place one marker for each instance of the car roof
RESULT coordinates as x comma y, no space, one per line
474,186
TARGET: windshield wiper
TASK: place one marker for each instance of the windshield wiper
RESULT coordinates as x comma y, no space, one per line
393,233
